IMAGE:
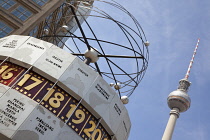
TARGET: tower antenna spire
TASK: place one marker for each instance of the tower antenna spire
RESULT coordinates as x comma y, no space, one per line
191,61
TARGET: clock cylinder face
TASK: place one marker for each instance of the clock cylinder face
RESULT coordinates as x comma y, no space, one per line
50,97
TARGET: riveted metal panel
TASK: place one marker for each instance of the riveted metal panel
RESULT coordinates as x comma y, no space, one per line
28,53
40,125
4,39
124,127
66,133
126,123
114,114
99,96
9,44
14,109
3,89
77,78
121,134
53,63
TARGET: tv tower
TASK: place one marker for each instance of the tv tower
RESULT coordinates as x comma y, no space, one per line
178,101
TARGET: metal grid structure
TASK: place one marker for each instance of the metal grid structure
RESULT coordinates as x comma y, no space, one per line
121,45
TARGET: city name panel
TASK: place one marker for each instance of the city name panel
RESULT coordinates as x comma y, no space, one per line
47,93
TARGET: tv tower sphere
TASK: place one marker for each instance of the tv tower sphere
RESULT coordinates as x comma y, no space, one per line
179,99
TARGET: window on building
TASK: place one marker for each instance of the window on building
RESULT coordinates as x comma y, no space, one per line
4,29
21,13
40,2
6,4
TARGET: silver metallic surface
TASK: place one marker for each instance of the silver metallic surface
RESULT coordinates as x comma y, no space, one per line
14,109
179,99
184,84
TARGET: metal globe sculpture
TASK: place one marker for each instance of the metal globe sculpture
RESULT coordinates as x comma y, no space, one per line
120,43
58,96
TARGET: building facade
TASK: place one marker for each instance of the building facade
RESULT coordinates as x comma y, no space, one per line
34,17
21,17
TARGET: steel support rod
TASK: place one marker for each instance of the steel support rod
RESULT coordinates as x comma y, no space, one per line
87,61
81,30
116,56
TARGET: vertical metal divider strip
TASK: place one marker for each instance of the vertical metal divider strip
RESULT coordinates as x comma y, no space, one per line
95,129
74,110
0,65
85,124
4,60
64,106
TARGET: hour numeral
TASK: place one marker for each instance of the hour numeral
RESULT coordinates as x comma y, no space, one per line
88,131
71,110
26,78
49,94
3,68
91,129
56,100
80,115
94,135
6,74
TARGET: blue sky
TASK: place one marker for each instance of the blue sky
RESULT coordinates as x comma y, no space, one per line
172,27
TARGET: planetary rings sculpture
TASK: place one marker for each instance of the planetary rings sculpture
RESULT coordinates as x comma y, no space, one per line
113,34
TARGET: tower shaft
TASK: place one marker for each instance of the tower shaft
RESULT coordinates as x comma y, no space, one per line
174,114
